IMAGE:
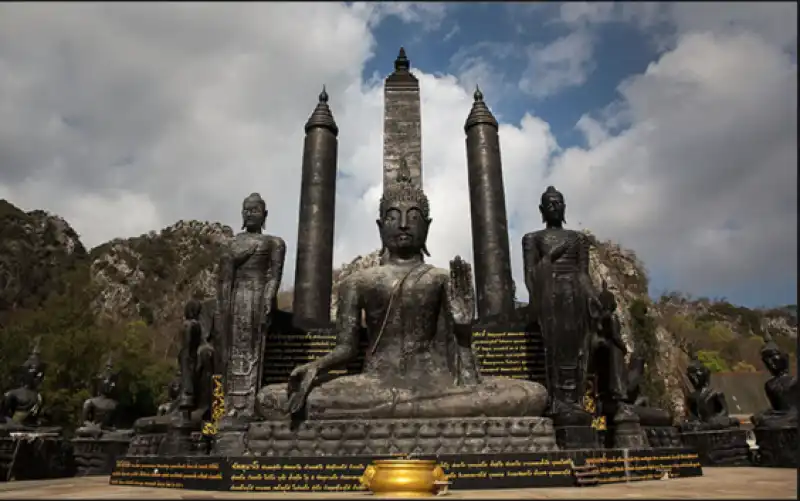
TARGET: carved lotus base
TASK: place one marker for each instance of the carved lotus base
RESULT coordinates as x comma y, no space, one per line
96,456
778,447
395,436
719,447
663,436
154,437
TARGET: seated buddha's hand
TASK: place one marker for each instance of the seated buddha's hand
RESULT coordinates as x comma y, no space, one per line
460,294
300,381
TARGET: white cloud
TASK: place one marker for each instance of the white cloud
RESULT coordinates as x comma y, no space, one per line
124,119
563,63
703,182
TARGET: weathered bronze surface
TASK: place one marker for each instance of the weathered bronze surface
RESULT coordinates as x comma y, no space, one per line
250,273
707,408
196,361
313,278
776,428
563,303
100,413
781,389
490,251
648,416
21,408
419,362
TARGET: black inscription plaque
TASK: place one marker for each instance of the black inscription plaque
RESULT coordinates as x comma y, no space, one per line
341,474
297,474
633,465
196,473
287,347
510,352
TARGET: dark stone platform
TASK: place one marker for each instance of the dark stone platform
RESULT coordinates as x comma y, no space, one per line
466,471
395,436
778,447
97,456
663,436
719,447
35,457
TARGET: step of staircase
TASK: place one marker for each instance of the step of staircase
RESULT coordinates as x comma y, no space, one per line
586,475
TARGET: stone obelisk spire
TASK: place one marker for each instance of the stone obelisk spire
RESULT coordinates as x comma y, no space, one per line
314,266
402,123
493,282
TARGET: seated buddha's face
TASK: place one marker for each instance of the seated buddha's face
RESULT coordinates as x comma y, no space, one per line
403,229
33,376
698,376
107,386
775,362
174,389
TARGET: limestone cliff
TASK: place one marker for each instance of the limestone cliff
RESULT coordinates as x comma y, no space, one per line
37,249
151,277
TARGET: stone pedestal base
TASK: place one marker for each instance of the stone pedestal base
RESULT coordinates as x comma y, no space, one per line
96,456
396,436
629,434
778,447
663,436
157,437
31,456
719,447
183,439
577,437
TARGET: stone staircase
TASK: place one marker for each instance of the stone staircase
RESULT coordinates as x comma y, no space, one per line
586,475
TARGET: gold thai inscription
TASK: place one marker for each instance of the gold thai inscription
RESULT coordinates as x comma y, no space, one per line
251,476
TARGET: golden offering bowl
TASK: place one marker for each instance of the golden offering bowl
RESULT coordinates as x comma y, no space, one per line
405,478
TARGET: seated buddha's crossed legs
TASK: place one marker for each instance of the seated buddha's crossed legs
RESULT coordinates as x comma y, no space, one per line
363,396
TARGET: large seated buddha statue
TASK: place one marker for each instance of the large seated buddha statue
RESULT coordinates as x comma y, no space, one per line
419,361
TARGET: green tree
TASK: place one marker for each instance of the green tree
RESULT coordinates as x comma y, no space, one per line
74,347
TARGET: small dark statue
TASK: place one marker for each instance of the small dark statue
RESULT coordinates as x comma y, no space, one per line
781,390
419,362
196,360
99,442
607,361
21,407
100,412
706,407
608,353
648,416
170,407
564,304
776,428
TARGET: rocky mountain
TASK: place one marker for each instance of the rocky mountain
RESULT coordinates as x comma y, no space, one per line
151,277
148,279
37,250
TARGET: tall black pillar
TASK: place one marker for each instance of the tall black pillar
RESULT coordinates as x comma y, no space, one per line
490,249
314,266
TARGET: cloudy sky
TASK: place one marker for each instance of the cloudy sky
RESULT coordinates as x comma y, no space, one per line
670,128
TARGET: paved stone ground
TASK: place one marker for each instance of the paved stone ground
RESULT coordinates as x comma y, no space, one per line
716,483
